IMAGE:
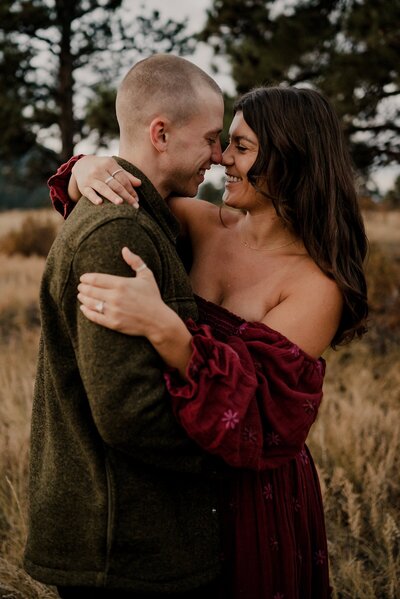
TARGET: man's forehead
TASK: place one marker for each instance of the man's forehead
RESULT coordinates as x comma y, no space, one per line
211,109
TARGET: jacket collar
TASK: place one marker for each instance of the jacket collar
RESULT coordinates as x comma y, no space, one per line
151,201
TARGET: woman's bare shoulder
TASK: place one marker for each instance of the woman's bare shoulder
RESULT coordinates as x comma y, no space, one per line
310,280
187,205
197,215
310,308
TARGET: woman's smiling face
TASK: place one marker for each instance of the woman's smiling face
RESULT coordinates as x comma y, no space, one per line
238,159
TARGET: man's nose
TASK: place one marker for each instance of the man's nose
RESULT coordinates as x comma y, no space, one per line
216,154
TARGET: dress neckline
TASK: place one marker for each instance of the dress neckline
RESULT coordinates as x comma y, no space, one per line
214,305
239,320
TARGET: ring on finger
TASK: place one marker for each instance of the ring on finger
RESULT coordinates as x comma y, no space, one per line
141,267
109,179
99,307
119,170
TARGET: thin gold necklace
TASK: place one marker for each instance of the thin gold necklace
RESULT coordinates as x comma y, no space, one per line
264,249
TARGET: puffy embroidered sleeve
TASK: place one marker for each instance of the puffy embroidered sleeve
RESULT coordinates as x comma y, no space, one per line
58,185
250,400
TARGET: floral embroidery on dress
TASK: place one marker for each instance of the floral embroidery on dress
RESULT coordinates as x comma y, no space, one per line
296,504
319,367
274,543
272,439
295,351
320,557
267,491
194,369
249,435
309,407
242,328
303,456
230,419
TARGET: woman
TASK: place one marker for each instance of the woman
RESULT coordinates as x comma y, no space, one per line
277,280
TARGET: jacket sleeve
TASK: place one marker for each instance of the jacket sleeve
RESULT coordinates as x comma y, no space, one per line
123,375
58,185
250,400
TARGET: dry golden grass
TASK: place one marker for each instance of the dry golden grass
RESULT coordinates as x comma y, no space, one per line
355,442
17,372
383,226
19,335
13,219
33,236
19,285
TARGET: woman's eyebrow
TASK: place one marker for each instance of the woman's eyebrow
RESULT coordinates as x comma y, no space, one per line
238,139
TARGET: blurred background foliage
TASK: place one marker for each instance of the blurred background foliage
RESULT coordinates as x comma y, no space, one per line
60,62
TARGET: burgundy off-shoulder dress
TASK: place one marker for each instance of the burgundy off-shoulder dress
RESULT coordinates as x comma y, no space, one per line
250,397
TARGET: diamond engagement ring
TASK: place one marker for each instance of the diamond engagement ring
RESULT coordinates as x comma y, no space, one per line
141,267
99,307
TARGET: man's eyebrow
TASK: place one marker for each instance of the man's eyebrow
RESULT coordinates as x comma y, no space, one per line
214,132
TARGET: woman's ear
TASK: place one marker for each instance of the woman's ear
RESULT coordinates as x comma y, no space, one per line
159,133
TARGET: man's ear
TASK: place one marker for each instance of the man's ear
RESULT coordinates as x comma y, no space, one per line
159,133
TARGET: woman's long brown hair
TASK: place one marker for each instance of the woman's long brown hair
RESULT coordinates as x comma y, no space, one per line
306,168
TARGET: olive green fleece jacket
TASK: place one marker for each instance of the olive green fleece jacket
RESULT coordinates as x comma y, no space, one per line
119,496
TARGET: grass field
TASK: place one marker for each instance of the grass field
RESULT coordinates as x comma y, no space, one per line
355,442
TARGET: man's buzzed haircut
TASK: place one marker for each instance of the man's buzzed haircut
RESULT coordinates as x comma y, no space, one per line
161,83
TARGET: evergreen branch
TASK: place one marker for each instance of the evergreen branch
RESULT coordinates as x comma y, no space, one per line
50,43
390,126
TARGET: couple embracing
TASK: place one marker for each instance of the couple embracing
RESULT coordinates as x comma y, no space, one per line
171,408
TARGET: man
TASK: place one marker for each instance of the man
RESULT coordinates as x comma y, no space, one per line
122,503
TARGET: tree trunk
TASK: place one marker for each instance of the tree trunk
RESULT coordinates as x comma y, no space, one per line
65,16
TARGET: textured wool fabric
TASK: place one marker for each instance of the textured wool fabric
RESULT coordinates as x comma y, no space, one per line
251,398
120,497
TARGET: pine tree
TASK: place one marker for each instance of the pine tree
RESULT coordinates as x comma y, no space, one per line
55,53
347,48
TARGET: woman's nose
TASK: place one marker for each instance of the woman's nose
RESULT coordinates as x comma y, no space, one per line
227,158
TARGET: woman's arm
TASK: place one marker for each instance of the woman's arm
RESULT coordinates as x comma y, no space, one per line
58,186
134,306
63,183
101,177
89,176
